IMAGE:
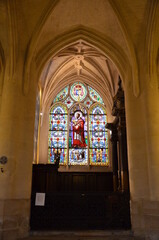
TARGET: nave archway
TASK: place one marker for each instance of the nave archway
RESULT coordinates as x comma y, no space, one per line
81,63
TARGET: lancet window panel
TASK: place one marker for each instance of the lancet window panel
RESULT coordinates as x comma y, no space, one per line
98,136
78,140
57,137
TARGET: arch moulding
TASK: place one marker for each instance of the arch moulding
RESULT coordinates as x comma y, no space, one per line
134,64
152,41
2,68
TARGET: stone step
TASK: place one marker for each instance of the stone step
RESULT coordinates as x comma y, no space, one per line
83,235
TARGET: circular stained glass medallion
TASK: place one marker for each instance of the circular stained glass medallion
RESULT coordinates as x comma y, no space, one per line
78,91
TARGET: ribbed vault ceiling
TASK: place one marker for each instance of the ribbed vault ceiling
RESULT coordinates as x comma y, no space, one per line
79,62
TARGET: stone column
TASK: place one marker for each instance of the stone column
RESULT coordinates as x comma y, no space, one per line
17,116
142,115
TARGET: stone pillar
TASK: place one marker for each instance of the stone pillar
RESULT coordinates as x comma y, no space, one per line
142,115
17,116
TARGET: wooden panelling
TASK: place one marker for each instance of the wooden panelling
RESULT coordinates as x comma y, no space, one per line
77,201
46,179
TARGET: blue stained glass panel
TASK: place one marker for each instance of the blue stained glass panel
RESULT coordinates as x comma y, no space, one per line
57,137
98,109
58,122
98,136
98,139
97,122
63,155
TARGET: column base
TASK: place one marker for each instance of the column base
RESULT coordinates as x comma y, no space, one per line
145,218
14,218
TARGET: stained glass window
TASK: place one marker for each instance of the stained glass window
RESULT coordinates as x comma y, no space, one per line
88,102
98,136
78,91
95,96
58,133
69,102
78,143
77,127
61,95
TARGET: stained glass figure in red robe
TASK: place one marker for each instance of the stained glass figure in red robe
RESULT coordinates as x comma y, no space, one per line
78,130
